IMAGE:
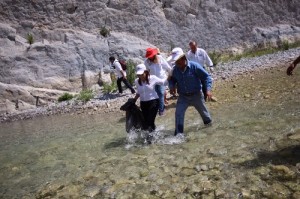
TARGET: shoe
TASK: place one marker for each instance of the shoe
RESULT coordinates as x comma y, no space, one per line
208,124
180,136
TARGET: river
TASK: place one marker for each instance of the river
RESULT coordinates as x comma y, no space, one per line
246,153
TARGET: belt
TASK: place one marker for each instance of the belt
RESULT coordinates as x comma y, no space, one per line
190,94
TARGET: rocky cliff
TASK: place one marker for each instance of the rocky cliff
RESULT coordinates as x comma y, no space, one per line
68,44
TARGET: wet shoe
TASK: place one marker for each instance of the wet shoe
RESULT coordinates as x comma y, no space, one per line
208,124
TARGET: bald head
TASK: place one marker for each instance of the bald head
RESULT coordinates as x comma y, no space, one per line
193,46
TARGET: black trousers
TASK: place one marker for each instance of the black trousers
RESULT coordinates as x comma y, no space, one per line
127,84
149,110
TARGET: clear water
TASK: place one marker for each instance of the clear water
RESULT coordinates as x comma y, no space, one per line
91,156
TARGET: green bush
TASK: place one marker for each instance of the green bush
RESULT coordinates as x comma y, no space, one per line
65,97
85,95
109,88
215,57
130,71
104,32
30,39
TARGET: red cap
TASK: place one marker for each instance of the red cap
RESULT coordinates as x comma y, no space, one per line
150,52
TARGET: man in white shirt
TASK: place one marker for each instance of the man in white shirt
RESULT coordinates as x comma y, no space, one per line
199,55
121,75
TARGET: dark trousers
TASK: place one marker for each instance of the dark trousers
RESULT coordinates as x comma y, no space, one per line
127,84
149,110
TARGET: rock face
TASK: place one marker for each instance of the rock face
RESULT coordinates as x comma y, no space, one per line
68,45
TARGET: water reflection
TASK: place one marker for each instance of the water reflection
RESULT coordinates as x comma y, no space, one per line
84,156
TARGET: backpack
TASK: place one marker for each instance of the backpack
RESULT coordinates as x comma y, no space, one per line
123,64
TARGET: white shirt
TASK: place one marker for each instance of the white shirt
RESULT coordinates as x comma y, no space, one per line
147,91
158,69
200,57
118,68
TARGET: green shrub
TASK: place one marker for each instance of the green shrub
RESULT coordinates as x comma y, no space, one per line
30,39
215,57
85,95
130,71
104,32
285,45
109,88
65,97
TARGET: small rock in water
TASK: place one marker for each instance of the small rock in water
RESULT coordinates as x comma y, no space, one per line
204,167
91,191
295,136
247,95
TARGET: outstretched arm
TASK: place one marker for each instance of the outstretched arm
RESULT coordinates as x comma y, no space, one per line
293,65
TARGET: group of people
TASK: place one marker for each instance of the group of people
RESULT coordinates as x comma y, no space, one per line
184,73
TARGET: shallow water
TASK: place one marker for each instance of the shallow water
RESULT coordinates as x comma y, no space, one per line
91,156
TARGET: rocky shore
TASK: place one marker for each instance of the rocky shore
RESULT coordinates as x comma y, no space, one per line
104,103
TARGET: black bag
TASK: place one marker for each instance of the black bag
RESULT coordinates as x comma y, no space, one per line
134,116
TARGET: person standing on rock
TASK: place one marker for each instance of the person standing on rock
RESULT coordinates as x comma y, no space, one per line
293,65
149,99
187,76
121,75
200,56
158,66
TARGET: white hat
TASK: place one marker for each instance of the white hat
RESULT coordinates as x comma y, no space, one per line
177,53
139,69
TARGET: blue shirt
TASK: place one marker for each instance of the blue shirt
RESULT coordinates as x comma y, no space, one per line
190,80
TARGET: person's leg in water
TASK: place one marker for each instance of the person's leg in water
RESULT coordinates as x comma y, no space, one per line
201,108
181,106
160,90
149,110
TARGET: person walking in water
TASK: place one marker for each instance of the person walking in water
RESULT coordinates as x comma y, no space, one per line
158,66
121,75
149,100
293,65
187,76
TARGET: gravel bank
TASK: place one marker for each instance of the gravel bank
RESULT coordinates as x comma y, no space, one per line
112,102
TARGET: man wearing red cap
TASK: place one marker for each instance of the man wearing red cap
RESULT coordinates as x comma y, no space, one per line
157,66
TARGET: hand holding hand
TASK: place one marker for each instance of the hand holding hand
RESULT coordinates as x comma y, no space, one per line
172,91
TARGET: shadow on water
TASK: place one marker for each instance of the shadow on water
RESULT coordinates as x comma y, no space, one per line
288,155
116,143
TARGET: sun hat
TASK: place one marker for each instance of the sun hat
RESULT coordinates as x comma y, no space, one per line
150,52
140,69
177,53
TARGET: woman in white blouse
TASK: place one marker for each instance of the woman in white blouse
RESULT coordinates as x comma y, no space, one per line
145,84
159,67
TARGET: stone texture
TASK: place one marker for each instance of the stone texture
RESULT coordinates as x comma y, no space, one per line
68,44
